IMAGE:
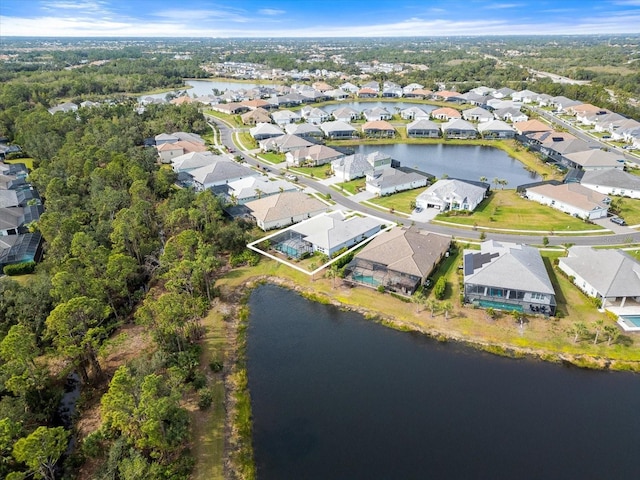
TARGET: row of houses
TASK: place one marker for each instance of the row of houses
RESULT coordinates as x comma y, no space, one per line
20,205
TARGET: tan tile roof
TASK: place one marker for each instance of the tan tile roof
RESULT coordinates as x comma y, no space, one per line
531,126
377,125
572,194
284,205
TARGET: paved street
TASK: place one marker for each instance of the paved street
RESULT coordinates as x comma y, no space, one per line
617,237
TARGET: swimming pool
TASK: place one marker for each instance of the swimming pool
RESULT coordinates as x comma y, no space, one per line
498,305
629,323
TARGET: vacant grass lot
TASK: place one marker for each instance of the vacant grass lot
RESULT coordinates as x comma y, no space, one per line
28,161
505,209
399,202
629,209
353,186
272,157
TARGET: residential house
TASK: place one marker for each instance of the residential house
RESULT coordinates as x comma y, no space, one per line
21,248
240,192
367,93
263,131
387,181
571,198
284,209
304,130
338,129
376,113
338,94
314,115
504,92
378,128
284,117
64,108
253,117
524,96
477,114
531,126
163,138
420,93
609,275
345,114
445,113
612,182
358,165
16,220
562,104
21,197
233,108
452,194
193,160
411,88
392,91
458,129
508,276
350,87
332,232
219,173
414,113
448,96
400,259
594,159
168,151
373,85
496,129
312,156
423,128
284,143
510,114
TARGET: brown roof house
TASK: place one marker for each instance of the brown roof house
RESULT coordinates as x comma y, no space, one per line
399,259
284,209
571,198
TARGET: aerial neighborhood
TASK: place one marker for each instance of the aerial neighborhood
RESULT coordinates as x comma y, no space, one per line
300,126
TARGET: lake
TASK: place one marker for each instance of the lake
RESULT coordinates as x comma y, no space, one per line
337,397
392,107
200,88
459,161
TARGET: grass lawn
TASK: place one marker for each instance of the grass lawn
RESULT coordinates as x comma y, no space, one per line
322,171
272,157
28,161
629,209
247,140
353,186
465,323
208,425
233,120
399,202
505,209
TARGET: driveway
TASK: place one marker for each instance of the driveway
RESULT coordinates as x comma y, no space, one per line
614,227
425,216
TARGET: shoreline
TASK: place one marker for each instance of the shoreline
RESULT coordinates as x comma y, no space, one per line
239,462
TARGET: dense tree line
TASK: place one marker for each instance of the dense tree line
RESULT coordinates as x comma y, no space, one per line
119,237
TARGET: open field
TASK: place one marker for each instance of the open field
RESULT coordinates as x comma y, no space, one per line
399,202
28,161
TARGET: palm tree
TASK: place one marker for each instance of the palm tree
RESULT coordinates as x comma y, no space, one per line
447,308
496,182
598,324
419,299
503,183
483,179
258,193
433,305
612,333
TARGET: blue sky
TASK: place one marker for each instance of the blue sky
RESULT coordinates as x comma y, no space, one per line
306,18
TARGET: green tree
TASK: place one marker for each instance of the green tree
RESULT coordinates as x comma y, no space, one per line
433,305
76,328
41,450
19,351
440,288
598,325
612,332
447,307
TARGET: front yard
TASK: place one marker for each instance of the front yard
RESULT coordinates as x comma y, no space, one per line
505,209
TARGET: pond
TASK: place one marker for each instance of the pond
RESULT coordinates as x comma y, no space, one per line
458,161
335,396
205,87
393,108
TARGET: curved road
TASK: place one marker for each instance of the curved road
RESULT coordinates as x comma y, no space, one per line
226,139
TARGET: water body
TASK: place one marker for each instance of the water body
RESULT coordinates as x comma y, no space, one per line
337,397
460,161
200,88
392,107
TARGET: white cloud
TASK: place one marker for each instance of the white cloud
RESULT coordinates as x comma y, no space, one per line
500,6
76,6
228,23
271,11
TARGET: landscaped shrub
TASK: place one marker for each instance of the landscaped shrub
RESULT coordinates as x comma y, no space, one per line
205,398
440,288
19,268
